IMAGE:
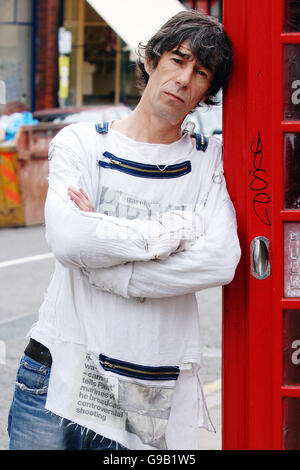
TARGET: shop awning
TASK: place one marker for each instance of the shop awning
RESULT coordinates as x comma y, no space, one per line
136,20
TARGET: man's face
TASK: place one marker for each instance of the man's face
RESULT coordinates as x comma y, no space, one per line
177,84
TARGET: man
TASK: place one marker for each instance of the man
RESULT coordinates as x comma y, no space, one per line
139,219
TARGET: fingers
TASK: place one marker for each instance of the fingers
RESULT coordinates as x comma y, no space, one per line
80,199
76,199
79,195
85,195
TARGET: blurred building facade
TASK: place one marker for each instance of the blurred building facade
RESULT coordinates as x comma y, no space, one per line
100,66
17,30
208,7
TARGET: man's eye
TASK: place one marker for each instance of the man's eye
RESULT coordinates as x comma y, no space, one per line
202,73
178,61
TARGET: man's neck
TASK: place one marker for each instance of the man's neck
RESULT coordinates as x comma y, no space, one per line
143,126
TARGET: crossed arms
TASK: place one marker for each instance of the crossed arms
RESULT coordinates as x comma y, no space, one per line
135,258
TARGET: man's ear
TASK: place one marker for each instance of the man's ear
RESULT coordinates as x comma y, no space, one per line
148,64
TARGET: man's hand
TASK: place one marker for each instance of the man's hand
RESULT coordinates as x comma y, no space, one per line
81,200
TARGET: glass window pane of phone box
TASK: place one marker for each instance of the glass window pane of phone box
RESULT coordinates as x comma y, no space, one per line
291,82
291,155
291,16
291,347
291,423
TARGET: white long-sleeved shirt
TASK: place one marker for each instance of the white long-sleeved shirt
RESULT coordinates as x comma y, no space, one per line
126,276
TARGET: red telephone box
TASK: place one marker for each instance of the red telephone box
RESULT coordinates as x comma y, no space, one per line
261,315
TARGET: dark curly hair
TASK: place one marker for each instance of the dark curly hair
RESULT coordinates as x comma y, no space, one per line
208,43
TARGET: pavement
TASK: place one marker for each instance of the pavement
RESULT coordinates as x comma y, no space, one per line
25,269
209,440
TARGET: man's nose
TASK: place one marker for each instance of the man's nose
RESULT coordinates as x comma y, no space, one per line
184,77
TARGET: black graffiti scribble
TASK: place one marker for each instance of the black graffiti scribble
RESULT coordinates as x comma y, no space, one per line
258,184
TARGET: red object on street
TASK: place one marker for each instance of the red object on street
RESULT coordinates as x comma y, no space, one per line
11,209
261,315
32,167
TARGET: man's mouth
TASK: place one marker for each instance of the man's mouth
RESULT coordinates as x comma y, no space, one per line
175,97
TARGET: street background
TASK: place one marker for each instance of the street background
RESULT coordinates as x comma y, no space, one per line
64,61
24,276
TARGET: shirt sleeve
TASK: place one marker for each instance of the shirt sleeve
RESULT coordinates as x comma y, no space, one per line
93,240
210,261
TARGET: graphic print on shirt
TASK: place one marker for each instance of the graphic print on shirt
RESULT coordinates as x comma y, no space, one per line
118,204
140,407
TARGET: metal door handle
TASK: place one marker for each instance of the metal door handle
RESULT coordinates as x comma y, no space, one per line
260,262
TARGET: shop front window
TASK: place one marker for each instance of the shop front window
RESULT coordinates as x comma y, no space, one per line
130,92
15,49
101,67
99,64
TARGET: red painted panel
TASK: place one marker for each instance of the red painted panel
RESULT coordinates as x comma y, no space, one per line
234,390
254,160
247,382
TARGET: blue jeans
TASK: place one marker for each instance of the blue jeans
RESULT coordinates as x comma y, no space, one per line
32,427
